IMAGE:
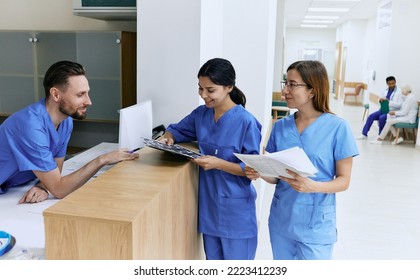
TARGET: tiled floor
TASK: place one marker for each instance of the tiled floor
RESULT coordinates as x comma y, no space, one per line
378,217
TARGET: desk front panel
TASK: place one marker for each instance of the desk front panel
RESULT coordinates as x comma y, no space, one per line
141,209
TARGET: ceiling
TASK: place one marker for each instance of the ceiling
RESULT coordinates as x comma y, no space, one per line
296,10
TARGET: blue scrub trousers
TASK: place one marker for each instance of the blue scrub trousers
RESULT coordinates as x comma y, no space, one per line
375,116
218,248
289,249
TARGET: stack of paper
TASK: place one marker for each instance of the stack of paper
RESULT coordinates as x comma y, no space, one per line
276,164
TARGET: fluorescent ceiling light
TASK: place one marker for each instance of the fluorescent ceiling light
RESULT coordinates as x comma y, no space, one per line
322,17
314,25
317,21
329,10
336,0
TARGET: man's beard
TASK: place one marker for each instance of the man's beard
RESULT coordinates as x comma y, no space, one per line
75,115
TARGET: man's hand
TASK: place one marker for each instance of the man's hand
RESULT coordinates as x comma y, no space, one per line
34,195
118,155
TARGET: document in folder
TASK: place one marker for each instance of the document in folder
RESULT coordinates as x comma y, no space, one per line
175,149
276,164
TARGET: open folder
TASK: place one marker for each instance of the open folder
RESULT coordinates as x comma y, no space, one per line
276,164
174,149
384,106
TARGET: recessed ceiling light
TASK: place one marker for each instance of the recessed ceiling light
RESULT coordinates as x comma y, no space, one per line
314,25
329,10
322,17
336,0
317,21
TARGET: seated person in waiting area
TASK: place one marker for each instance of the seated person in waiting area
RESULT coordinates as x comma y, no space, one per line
407,113
395,98
33,141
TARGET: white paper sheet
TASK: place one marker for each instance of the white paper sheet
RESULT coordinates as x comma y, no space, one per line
276,164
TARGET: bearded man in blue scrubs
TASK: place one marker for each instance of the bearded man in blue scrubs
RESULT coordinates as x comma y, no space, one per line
33,141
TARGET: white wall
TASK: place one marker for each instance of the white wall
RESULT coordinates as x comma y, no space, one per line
370,34
168,57
391,50
212,29
52,15
354,40
353,36
298,39
249,42
405,44
173,45
379,57
279,50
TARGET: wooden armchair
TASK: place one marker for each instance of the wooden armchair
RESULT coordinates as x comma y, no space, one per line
357,90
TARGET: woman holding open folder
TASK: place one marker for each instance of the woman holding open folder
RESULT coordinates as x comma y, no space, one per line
302,221
222,127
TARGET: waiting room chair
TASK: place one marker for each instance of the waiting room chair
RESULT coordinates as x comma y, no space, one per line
404,126
357,90
279,109
366,111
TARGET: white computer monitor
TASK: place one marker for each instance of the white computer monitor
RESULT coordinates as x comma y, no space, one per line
135,123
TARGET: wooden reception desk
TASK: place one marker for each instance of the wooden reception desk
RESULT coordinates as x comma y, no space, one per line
141,209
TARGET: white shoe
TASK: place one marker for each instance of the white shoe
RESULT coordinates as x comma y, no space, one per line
398,141
376,141
361,137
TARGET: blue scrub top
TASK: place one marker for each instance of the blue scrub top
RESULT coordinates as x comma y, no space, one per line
226,202
310,217
29,141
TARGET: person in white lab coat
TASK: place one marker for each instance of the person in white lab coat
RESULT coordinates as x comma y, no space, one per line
407,114
393,95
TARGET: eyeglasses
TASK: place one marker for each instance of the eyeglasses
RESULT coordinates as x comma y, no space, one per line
291,86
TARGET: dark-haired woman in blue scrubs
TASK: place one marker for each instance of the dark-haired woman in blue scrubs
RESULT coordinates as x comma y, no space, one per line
221,127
